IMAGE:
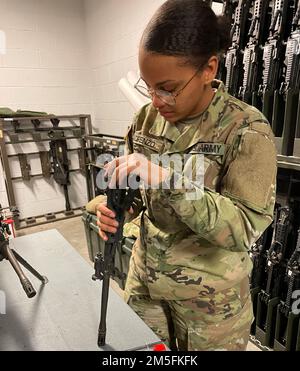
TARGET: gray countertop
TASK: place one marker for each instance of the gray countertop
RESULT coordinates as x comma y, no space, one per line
65,313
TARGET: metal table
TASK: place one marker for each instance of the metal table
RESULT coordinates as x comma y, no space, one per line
64,315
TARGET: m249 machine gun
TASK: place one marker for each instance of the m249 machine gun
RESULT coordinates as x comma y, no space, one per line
118,200
15,259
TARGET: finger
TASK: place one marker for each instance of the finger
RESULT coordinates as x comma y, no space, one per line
101,204
103,235
111,166
102,209
131,211
120,176
108,221
117,177
106,228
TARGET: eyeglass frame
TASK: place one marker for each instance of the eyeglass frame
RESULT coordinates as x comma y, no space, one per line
152,92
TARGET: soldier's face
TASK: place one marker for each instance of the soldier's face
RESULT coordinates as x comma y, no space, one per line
170,74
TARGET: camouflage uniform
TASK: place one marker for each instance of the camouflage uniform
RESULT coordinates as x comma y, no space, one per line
192,256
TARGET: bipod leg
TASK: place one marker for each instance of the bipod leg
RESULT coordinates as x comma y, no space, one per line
26,265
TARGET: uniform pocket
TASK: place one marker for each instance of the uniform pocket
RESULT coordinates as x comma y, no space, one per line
231,334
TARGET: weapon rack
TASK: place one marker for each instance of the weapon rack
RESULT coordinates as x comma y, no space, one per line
276,82
97,145
41,129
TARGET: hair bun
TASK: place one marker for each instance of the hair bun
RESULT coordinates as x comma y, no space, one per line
224,26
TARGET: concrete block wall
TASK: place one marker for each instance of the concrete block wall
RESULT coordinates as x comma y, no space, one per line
114,29
44,67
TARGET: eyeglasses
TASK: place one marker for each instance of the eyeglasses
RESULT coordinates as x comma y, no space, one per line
165,96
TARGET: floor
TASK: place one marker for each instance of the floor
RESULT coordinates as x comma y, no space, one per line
73,231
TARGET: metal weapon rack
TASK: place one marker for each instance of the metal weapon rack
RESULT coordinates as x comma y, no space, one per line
55,130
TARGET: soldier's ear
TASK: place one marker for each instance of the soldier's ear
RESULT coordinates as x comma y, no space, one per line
211,69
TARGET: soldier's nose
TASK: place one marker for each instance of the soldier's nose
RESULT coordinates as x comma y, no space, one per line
157,103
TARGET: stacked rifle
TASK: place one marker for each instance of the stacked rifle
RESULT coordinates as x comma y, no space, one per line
262,64
275,283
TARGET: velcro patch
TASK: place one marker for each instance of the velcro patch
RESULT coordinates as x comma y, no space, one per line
216,149
261,127
148,142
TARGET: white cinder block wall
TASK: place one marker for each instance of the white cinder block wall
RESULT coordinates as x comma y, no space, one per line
114,29
44,68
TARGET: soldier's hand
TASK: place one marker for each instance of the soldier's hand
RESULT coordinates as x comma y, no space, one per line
120,168
106,220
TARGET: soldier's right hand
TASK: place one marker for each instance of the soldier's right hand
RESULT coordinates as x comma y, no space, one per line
106,220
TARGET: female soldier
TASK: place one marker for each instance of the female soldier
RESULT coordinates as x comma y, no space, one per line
189,269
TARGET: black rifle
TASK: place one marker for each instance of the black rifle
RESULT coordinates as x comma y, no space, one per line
268,298
258,256
287,321
15,259
234,57
58,152
290,88
229,8
288,95
253,53
228,11
118,200
273,58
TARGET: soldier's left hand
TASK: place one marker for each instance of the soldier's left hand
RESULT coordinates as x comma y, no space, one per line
120,168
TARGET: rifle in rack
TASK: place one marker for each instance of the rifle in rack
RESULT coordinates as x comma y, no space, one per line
253,53
59,153
287,320
286,97
273,58
258,256
289,90
234,57
228,10
268,298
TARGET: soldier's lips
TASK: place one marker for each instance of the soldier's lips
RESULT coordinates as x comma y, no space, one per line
166,114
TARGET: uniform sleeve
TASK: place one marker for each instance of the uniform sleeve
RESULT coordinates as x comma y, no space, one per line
91,206
237,216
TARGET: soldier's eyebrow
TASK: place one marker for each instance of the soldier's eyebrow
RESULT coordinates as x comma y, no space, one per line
160,83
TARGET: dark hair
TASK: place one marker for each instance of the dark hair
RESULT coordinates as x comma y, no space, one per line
187,28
